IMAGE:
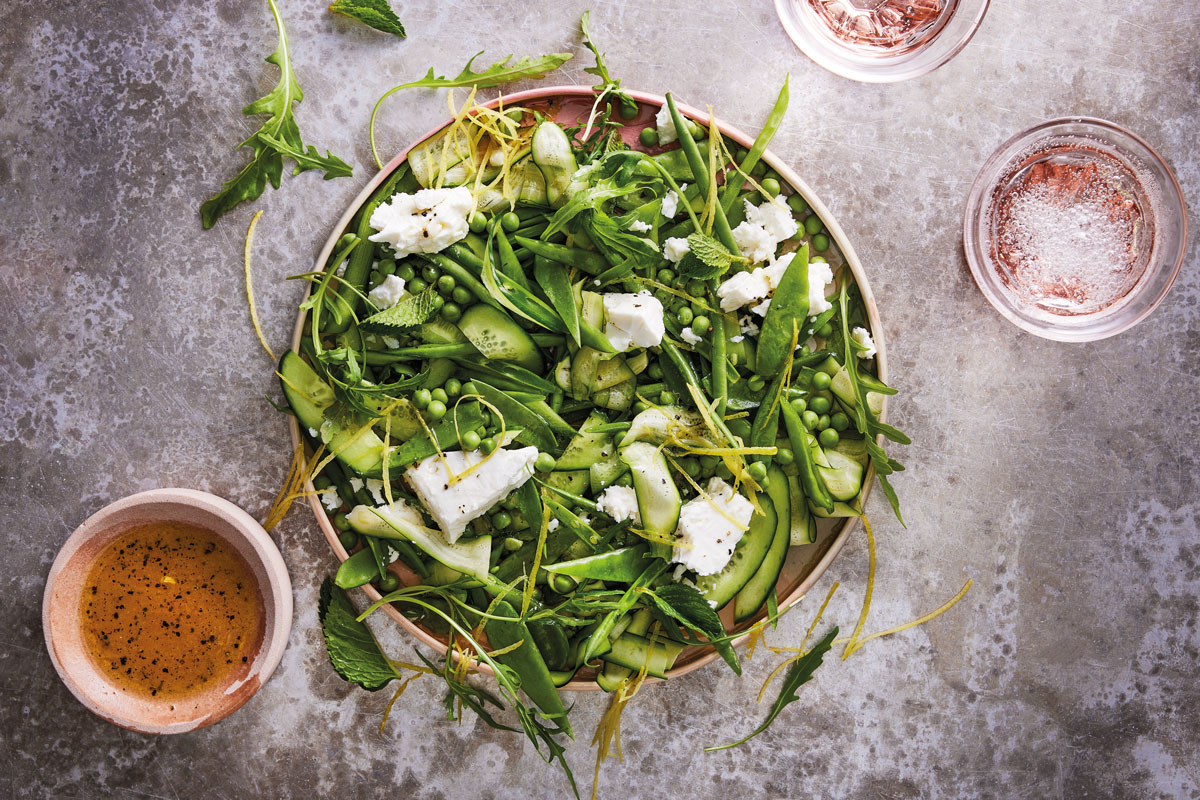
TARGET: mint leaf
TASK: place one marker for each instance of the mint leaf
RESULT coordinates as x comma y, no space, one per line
800,674
352,648
706,258
279,137
375,13
688,607
412,309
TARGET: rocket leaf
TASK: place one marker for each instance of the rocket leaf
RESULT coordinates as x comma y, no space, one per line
375,13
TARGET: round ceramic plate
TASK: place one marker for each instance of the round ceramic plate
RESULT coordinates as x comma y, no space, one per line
805,564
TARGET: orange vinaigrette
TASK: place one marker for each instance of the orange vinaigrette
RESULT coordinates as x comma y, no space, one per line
170,610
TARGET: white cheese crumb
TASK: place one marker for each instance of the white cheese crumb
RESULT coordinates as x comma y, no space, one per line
710,528
761,308
388,293
552,525
633,320
329,499
670,203
428,221
356,484
666,126
620,503
637,226
391,342
820,275
675,248
774,217
736,339
748,326
375,487
754,242
863,337
689,336
313,433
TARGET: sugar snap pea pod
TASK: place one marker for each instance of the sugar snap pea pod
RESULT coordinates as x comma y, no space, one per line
509,264
594,338
552,277
534,430
462,275
519,300
729,194
588,261
445,432
422,351
766,421
624,564
789,307
572,522
357,570
718,378
598,642
525,660
701,176
358,267
813,485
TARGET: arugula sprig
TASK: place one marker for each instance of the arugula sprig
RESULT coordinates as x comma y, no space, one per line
498,74
864,418
375,13
608,86
278,138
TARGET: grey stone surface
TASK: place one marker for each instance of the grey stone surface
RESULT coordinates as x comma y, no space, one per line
1061,478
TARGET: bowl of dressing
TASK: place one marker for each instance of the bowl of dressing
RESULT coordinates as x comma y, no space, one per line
166,611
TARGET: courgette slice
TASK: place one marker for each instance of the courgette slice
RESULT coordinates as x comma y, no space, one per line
632,651
312,400
496,336
587,448
658,497
750,599
468,556
843,477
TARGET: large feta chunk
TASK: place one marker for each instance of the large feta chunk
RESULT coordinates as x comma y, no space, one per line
774,217
820,276
388,293
863,337
428,221
666,126
743,289
633,320
675,248
754,242
620,503
710,528
460,494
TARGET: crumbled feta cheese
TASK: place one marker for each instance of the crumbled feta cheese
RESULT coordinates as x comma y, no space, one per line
428,221
375,487
393,555
742,289
391,342
585,519
552,526
748,326
863,337
454,503
388,293
675,248
666,126
761,308
314,433
496,159
774,217
670,203
820,275
356,484
710,528
736,339
637,226
754,242
689,336
633,320
329,499
620,503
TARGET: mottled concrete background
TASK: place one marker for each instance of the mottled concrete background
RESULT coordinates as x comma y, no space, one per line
1062,478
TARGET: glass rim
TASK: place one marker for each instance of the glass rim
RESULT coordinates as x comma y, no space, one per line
1142,299
883,68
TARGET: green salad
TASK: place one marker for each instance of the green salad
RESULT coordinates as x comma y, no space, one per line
575,389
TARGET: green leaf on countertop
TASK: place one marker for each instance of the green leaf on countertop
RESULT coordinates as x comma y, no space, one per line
687,606
412,309
352,648
278,138
800,674
375,13
498,74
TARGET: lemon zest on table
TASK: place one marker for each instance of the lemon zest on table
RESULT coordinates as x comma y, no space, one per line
250,286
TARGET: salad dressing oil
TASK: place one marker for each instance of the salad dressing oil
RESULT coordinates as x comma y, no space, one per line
169,610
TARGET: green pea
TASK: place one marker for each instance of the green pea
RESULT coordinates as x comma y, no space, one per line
440,395
770,187
757,384
639,407
422,398
820,405
388,583
666,398
510,222
691,466
648,137
655,371
700,325
685,316
723,472
828,437
453,387
502,521
375,278
430,274
436,409
839,421
799,404
821,381
810,419
437,302
446,284
470,440
563,584
758,470
321,482
470,388
487,445
417,285
823,422
348,539
478,222
740,427
820,242
785,456
341,522
511,544
696,288
666,275
461,296
544,462
388,266
451,312
709,463
405,272
760,169
796,203
825,331
812,225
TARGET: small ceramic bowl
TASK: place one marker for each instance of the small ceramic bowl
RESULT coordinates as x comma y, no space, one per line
64,586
